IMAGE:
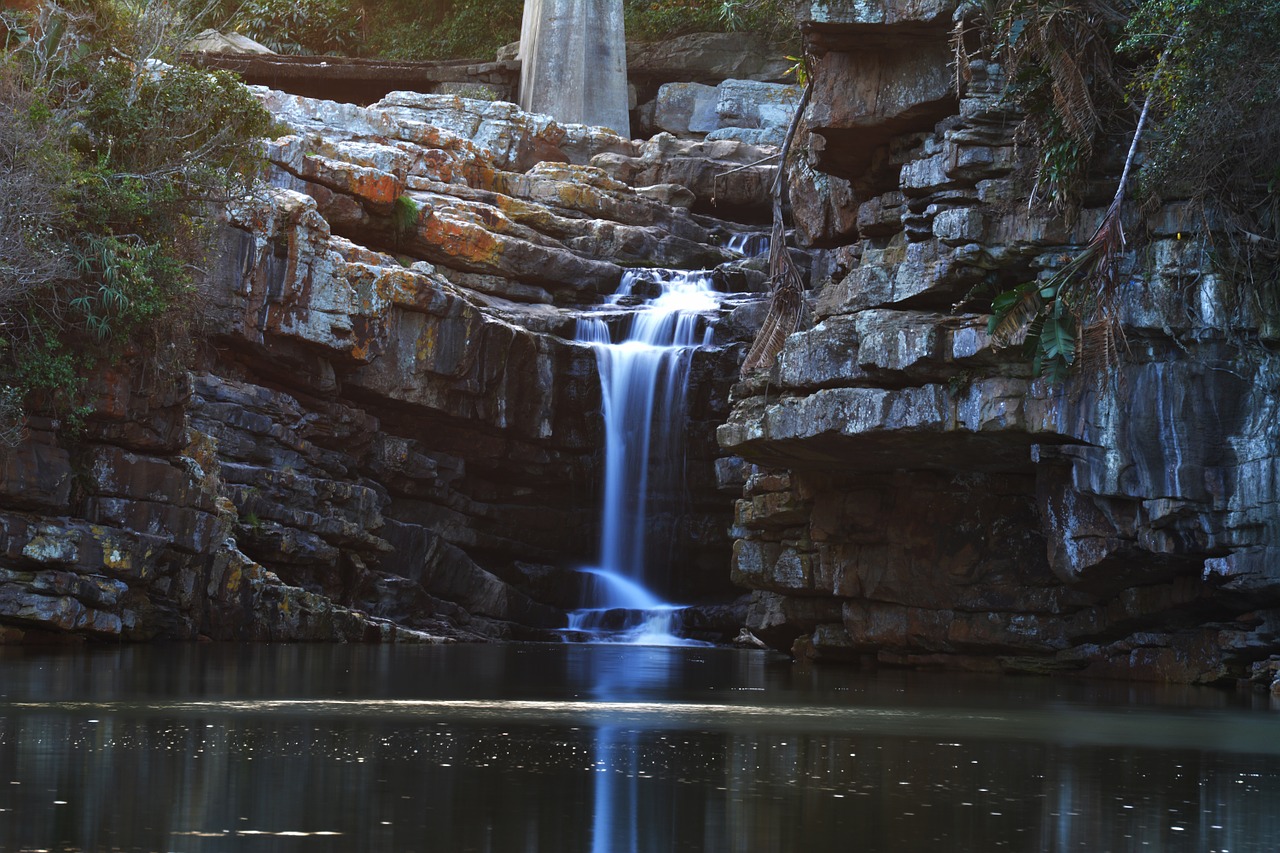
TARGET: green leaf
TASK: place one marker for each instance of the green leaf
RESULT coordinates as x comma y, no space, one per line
1056,340
1006,300
1015,31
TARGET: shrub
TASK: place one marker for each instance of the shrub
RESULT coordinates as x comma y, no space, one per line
1213,72
653,20
451,29
111,167
445,29
1205,74
300,26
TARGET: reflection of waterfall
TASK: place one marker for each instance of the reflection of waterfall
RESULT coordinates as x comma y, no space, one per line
624,796
643,382
617,800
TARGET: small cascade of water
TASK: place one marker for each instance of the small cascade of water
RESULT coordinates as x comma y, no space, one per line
643,382
752,245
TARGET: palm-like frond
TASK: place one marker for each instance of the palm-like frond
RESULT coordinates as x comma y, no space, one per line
1061,316
1071,94
783,319
786,301
1012,313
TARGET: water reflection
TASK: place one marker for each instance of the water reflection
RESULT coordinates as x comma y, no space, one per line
619,819
611,748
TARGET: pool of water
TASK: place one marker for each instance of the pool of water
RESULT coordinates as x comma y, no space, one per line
611,749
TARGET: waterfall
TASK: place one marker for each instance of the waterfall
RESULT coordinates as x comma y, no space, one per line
643,382
751,244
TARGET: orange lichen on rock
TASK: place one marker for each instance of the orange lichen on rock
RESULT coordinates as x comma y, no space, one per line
462,244
376,188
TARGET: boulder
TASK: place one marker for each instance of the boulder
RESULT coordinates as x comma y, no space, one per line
682,108
726,176
728,110
212,41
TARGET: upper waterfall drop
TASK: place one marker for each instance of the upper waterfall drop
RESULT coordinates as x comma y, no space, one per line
643,382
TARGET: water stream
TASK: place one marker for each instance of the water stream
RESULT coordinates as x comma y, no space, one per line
644,376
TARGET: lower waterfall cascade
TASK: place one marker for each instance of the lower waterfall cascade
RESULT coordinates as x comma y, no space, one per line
644,380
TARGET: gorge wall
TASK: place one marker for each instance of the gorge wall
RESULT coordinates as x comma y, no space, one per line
389,433
917,496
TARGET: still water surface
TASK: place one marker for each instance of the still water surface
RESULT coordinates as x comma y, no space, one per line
611,749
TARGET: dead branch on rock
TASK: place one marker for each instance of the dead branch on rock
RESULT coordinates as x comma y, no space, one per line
786,300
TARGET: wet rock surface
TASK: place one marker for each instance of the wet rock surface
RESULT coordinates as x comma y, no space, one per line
913,495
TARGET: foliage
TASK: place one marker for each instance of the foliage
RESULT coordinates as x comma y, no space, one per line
1217,114
1206,73
653,20
404,217
798,69
12,420
456,29
466,29
1059,57
440,29
1050,315
300,26
111,162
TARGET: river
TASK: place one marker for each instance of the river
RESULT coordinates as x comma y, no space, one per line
611,749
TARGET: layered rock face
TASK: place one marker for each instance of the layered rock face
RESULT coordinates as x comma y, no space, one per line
917,496
390,433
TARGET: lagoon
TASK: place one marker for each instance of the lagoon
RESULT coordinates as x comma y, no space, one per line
611,748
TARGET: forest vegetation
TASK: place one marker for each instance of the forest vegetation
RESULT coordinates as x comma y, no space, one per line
114,161
456,29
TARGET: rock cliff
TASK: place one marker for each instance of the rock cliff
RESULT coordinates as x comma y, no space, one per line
916,495
389,433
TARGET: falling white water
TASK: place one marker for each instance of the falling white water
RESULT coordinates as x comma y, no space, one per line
643,383
751,244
